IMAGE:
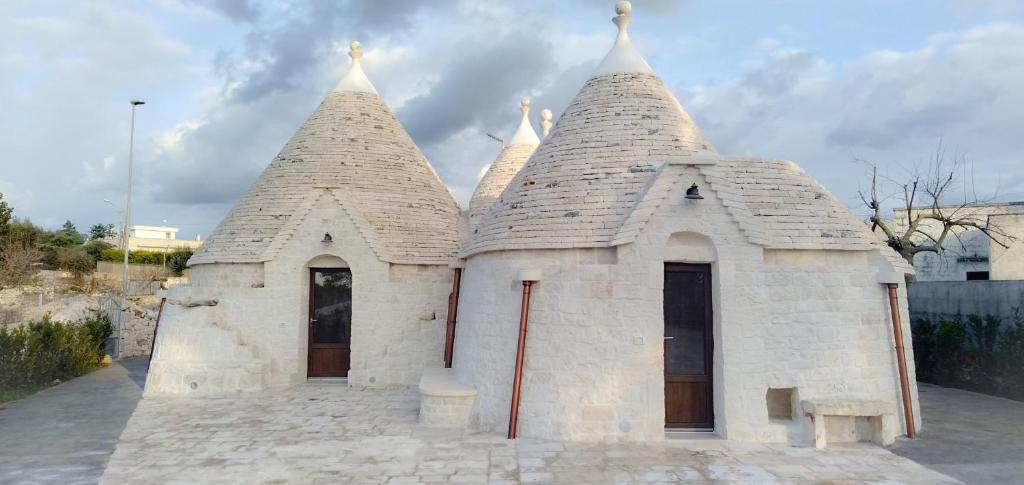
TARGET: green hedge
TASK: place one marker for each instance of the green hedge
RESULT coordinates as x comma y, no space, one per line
134,257
40,352
175,259
976,353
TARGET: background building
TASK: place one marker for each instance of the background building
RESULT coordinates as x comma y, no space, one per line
970,254
157,238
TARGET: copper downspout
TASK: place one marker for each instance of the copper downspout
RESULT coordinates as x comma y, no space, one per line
453,311
901,361
156,327
513,417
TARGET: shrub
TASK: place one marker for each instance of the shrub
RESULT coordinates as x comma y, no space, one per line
95,248
177,260
134,257
978,353
17,263
45,350
66,236
75,261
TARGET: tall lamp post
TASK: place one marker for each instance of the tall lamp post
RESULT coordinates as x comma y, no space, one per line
127,224
120,219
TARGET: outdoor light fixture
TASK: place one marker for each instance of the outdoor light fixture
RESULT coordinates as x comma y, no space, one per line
693,193
327,238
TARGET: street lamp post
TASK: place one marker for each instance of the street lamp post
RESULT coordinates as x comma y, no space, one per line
119,220
127,224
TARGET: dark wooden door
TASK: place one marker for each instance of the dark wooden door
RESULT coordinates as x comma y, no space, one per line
330,322
689,347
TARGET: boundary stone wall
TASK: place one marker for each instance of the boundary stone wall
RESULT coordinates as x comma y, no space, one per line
947,299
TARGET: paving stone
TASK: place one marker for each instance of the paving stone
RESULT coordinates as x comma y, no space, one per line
330,434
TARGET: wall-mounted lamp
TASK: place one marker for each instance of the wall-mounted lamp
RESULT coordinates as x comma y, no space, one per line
327,238
693,193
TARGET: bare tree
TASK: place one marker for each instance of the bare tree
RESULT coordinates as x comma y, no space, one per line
930,221
17,263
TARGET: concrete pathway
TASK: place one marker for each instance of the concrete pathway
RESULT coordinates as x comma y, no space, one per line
65,434
973,437
332,434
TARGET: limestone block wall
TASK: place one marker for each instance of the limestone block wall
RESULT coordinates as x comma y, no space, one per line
227,275
585,375
829,334
199,350
398,311
593,371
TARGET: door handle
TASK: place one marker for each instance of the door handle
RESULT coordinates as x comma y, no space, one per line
669,338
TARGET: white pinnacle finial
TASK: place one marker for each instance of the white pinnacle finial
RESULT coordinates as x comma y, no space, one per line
622,17
524,135
623,57
355,51
355,79
545,121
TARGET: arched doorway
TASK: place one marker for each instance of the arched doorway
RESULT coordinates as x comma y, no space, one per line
330,322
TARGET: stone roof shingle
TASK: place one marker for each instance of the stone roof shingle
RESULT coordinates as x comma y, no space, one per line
584,179
353,146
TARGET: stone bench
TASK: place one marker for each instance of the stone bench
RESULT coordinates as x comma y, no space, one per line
444,403
877,420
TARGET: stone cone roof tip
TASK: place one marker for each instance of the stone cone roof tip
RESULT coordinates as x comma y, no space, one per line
585,178
355,79
505,166
353,152
545,122
524,135
623,57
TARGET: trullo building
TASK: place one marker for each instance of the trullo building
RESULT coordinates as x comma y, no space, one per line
334,264
627,280
506,165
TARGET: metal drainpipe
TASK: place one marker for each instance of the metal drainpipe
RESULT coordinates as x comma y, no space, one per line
901,360
513,417
453,311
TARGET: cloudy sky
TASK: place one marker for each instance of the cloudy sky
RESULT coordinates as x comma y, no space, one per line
227,82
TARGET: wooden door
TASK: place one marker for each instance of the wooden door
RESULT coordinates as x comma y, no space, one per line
689,347
330,322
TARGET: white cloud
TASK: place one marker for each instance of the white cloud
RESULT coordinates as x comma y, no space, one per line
229,81
887,107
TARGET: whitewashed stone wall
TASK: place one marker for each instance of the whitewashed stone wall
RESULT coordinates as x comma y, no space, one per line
593,370
398,311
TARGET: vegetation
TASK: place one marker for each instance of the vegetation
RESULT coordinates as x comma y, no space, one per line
74,260
5,215
134,257
16,264
977,353
45,352
24,247
101,231
175,260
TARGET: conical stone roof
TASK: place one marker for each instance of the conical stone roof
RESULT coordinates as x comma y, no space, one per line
504,167
584,179
596,180
354,148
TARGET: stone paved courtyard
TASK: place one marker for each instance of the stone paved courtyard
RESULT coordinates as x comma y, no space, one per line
332,434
